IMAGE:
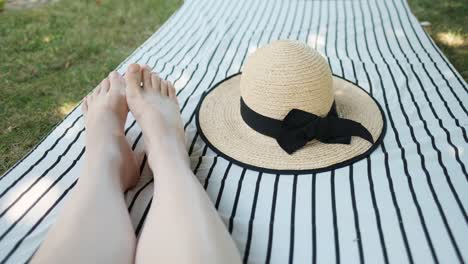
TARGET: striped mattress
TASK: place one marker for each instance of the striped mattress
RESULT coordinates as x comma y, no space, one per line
406,203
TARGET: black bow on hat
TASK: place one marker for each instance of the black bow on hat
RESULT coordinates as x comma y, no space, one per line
299,127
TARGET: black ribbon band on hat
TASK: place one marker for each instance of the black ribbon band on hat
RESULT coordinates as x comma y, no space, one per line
299,127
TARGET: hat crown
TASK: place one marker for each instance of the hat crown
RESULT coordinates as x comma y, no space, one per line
285,75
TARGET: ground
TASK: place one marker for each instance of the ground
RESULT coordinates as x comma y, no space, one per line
449,19
52,55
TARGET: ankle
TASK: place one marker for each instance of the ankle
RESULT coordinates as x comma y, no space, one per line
164,156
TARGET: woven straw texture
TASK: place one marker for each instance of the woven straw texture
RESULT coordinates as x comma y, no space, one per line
287,74
312,89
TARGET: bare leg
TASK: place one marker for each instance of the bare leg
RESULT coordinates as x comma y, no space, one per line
182,225
94,226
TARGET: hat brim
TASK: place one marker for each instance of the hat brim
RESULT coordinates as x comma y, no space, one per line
221,126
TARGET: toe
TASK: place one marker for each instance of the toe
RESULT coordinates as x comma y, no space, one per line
95,92
84,106
105,86
133,79
171,91
156,82
117,83
147,77
164,87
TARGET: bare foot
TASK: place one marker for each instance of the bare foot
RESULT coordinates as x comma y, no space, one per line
154,105
105,110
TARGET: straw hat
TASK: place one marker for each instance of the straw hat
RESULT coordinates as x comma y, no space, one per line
287,113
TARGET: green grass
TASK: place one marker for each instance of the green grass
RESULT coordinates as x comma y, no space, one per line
449,19
51,56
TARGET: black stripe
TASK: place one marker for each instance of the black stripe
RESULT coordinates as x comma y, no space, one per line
457,154
332,174
326,31
137,193
369,175
403,156
143,217
239,185
221,60
369,171
372,192
261,33
69,146
221,188
44,155
251,36
173,29
423,65
41,141
236,201
191,47
52,185
40,197
428,177
251,220
462,83
61,197
356,215
199,50
191,18
192,145
335,221
208,63
250,230
272,220
195,137
194,111
293,220
212,167
386,156
37,179
291,29
182,74
313,220
207,179
294,190
337,55
319,24
153,36
351,174
345,17
144,161
376,208
142,166
44,174
356,46
135,197
390,183
196,86
200,158
148,183
16,246
426,172
44,139
301,23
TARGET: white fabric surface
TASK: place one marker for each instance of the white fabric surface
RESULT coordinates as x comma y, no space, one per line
406,203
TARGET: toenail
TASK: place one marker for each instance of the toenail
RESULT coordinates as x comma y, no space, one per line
134,68
113,74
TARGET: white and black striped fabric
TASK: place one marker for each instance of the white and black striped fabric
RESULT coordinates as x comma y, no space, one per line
405,203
